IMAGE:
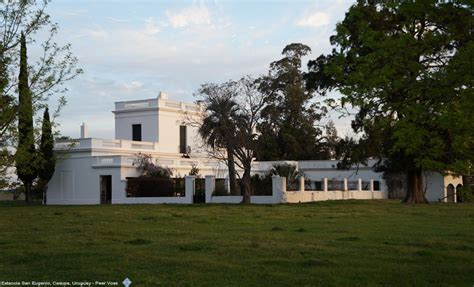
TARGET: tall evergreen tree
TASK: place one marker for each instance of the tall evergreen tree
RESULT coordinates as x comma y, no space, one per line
7,116
47,159
25,157
288,128
47,73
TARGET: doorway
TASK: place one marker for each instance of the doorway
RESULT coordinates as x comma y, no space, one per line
105,189
450,193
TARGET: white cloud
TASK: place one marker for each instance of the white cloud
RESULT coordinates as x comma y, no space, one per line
117,20
133,85
193,15
317,19
151,27
98,33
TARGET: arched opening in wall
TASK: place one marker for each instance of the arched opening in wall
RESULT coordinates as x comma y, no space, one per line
450,193
459,193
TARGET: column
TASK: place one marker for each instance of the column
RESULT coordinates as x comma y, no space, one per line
189,188
210,186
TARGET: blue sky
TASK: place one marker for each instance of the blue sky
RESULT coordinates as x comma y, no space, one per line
134,49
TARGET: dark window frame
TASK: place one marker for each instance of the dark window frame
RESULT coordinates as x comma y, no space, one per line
137,132
183,143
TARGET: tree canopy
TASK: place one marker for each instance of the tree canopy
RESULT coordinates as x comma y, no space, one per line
26,159
288,127
407,67
229,124
46,74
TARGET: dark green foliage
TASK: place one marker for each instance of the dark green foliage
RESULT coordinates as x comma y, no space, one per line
407,66
220,188
148,186
262,184
218,126
25,158
7,116
290,171
47,73
46,157
465,194
288,130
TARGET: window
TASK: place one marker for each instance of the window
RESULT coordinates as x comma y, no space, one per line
182,139
376,185
137,133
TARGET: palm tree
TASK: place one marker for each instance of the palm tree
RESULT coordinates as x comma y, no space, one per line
218,126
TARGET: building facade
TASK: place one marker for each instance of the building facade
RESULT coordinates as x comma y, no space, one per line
95,171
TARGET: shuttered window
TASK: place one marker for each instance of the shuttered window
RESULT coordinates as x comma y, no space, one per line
182,139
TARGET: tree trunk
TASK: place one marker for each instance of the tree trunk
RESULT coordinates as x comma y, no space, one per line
246,187
45,193
415,192
28,193
232,174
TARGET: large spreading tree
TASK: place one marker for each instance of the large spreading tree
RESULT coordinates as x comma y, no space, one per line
232,112
218,124
408,69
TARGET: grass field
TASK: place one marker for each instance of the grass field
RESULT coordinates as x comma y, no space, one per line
351,243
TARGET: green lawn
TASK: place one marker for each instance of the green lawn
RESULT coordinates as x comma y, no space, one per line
351,243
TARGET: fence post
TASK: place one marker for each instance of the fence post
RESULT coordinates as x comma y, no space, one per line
210,186
372,188
325,184
189,188
455,200
345,184
359,184
301,183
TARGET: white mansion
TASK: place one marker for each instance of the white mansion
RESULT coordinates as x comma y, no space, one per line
94,171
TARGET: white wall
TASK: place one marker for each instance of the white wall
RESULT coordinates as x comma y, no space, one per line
434,185
77,181
148,119
169,123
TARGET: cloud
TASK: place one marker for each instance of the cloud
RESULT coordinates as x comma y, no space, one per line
97,33
317,19
151,27
193,15
133,85
117,20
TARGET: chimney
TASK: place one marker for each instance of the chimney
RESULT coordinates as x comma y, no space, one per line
84,131
163,96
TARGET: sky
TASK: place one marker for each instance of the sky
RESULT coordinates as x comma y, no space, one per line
132,50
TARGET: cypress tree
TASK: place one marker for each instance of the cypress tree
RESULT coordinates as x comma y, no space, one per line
48,160
25,154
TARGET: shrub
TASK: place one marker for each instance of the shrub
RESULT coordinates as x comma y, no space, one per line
145,165
464,194
145,186
220,188
291,172
262,184
194,171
